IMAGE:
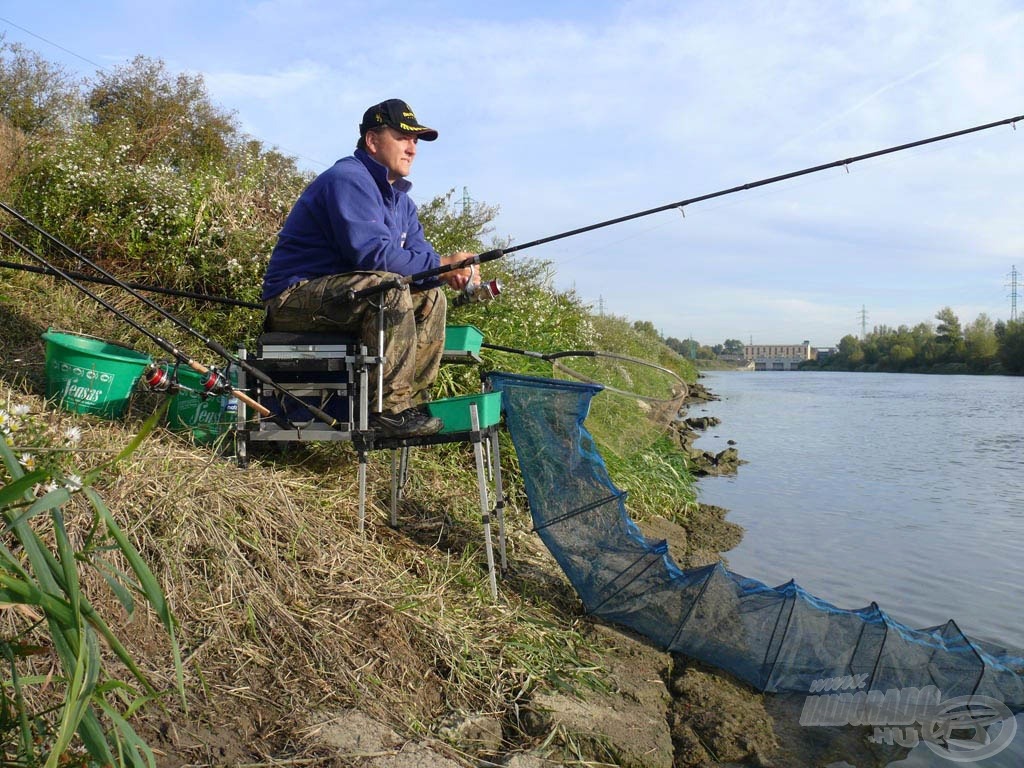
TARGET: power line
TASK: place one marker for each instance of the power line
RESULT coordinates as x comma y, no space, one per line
102,68
50,42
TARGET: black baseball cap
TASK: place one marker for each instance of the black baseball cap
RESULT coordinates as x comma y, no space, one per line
397,114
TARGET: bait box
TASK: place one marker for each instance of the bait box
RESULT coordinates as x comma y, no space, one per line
463,338
316,369
454,411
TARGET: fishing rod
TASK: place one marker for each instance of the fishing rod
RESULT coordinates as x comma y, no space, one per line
679,388
678,205
218,381
84,277
492,255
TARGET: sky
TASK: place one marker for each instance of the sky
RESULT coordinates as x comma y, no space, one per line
567,114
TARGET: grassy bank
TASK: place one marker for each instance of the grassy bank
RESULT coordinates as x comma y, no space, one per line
286,614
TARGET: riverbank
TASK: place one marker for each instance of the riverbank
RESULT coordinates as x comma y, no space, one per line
307,643
293,654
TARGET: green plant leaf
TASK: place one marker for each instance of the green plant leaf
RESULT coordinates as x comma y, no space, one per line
79,695
116,579
148,583
16,491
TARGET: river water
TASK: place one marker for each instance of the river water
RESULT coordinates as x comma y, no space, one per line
906,490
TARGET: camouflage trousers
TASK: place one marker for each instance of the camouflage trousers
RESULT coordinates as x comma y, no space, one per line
414,326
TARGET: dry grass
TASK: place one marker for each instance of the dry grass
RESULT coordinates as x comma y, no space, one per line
285,611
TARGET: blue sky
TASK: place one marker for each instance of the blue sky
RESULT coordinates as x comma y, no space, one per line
564,114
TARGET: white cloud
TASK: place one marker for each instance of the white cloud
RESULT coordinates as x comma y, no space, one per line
297,78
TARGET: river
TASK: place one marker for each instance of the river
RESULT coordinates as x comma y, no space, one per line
906,490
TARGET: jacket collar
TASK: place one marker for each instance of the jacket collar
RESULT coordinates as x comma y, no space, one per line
380,173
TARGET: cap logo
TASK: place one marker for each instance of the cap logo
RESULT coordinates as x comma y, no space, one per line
396,114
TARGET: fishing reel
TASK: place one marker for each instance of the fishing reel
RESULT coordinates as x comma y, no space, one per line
161,377
216,382
156,378
478,293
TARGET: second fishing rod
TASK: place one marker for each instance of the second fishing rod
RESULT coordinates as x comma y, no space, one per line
487,256
216,382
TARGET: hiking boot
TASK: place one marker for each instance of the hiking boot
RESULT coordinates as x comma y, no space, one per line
412,422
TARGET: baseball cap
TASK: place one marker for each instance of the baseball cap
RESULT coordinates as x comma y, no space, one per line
398,115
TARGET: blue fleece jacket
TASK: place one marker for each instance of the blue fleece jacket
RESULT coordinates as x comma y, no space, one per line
349,219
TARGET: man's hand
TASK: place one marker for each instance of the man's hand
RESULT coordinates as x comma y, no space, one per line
458,279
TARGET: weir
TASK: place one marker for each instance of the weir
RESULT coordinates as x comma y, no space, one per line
777,639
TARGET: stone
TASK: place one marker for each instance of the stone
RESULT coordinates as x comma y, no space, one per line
627,726
475,733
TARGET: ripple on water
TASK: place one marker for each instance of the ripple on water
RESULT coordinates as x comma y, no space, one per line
901,489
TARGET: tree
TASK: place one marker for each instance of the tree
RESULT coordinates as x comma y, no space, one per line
850,351
949,335
980,342
1011,347
36,96
646,327
678,346
733,347
450,228
170,118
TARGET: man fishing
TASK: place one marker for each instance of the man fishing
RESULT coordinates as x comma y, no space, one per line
353,227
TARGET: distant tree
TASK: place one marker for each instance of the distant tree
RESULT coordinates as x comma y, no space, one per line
678,346
646,327
900,356
924,344
36,96
170,117
949,335
1011,347
450,227
982,346
733,347
850,352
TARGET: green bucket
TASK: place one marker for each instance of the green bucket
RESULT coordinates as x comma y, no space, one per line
89,375
207,418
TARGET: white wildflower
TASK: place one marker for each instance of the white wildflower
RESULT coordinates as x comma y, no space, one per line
20,410
73,435
73,483
28,461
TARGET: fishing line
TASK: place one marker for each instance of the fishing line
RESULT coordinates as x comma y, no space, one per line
647,397
135,286
676,390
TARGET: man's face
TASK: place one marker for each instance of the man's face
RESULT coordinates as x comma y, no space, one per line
395,150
